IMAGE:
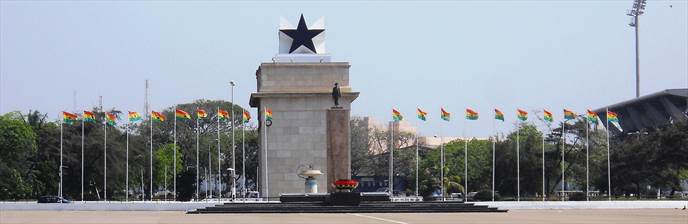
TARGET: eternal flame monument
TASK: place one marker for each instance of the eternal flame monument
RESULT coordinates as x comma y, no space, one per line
307,128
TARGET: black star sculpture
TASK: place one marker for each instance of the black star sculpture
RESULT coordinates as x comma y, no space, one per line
302,36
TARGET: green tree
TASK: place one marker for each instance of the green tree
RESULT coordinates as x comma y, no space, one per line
17,145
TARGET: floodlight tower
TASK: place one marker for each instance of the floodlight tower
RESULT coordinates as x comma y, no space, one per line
637,10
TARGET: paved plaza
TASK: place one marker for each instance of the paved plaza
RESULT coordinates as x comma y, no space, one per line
626,216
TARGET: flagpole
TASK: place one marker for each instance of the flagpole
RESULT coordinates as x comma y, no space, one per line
233,173
197,168
59,191
126,188
209,174
465,161
494,140
82,158
563,149
174,159
219,161
518,161
417,163
544,191
105,160
609,176
441,163
265,169
587,160
391,160
243,157
150,117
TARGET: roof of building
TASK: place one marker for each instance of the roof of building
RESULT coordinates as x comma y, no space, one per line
649,111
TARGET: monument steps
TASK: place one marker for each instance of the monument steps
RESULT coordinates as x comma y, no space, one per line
365,207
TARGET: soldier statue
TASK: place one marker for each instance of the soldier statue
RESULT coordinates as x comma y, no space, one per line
336,94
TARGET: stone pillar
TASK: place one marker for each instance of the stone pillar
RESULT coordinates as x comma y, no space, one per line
338,146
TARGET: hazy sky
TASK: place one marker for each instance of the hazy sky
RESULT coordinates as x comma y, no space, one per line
403,54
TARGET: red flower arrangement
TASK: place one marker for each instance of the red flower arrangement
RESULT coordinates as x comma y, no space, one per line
346,184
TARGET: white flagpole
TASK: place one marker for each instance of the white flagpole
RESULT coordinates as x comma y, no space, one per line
441,164
150,117
494,140
391,159
209,175
197,168
265,170
105,160
544,190
563,150
59,191
82,157
126,182
417,163
233,173
609,175
518,161
219,161
465,161
243,157
174,158
587,158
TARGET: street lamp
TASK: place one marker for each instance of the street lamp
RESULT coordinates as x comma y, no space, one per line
441,166
637,10
231,83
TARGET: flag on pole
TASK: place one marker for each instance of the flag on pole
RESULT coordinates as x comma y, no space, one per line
134,116
110,119
522,114
180,114
224,115
246,117
157,116
200,113
471,114
268,114
68,118
396,116
548,116
89,117
422,114
499,115
592,116
568,114
613,118
445,115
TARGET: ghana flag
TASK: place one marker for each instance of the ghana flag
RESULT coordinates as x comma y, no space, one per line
499,115
134,116
223,114
89,117
268,114
421,114
180,114
445,115
548,116
592,116
110,119
568,114
68,118
396,116
522,114
613,118
200,113
246,117
471,114
157,116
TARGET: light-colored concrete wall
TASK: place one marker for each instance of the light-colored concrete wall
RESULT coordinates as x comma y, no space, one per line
303,77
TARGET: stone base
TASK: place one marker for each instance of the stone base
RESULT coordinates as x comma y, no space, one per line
344,198
338,146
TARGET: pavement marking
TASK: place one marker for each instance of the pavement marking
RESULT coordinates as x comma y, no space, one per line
381,219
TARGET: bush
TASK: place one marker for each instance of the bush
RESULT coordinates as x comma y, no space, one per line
577,196
486,196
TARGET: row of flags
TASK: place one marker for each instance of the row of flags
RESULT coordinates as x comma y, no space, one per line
521,115
133,116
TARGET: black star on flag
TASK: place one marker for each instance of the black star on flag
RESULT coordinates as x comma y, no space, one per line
302,36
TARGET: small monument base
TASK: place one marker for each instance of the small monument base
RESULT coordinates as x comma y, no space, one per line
344,198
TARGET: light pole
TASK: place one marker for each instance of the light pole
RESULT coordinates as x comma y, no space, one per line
637,10
231,83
